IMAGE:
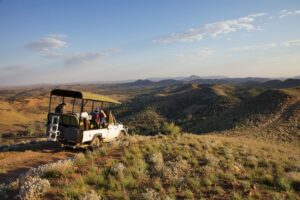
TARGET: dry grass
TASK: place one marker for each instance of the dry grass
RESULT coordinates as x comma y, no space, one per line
182,167
20,114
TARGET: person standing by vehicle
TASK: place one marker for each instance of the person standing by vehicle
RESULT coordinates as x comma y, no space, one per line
96,118
103,117
60,108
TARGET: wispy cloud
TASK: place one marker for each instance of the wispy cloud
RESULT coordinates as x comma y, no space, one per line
257,14
47,47
214,29
195,54
48,43
12,68
291,43
285,13
255,47
83,58
286,44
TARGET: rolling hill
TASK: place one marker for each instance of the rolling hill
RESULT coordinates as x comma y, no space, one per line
207,108
194,107
187,141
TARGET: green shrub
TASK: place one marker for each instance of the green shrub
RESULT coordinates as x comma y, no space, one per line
156,163
251,161
283,184
217,190
89,155
188,194
263,163
206,182
91,195
156,184
236,196
170,129
58,169
94,176
150,194
75,190
80,160
193,183
102,152
268,180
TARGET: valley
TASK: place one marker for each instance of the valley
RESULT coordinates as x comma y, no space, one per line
186,140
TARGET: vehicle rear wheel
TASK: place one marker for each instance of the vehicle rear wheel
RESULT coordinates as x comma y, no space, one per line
96,143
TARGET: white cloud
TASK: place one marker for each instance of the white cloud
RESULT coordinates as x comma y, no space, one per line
48,43
257,15
255,47
286,44
83,58
285,13
195,54
291,43
48,46
214,29
13,68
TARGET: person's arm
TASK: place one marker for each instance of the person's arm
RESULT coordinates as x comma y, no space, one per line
104,114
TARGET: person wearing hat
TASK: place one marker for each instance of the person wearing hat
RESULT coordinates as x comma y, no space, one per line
60,108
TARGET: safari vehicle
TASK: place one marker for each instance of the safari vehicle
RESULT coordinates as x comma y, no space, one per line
73,127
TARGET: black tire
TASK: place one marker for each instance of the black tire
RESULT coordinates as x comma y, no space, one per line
96,143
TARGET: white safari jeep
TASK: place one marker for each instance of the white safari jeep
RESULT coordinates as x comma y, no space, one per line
74,126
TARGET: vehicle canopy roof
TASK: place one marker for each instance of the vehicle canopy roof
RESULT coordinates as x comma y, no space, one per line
83,95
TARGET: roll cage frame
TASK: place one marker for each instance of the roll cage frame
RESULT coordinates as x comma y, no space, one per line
84,96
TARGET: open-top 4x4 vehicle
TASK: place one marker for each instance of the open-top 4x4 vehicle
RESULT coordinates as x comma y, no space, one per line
74,127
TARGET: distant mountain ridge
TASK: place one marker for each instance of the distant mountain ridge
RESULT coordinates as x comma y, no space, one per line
278,83
248,82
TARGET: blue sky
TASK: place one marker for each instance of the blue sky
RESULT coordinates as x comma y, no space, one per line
48,41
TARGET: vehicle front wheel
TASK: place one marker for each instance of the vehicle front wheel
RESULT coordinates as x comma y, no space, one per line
96,143
121,136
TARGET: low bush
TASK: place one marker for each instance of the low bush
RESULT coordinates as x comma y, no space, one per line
33,187
170,129
80,160
57,169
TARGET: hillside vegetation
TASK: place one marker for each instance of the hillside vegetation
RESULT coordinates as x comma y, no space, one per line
208,141
189,103
207,108
169,167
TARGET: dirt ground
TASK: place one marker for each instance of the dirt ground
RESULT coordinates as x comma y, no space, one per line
18,160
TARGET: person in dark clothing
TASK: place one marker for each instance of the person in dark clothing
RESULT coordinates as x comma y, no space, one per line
96,118
60,108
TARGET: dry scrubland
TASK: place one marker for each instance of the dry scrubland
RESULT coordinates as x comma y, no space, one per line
24,115
251,149
18,158
203,109
175,166
23,112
